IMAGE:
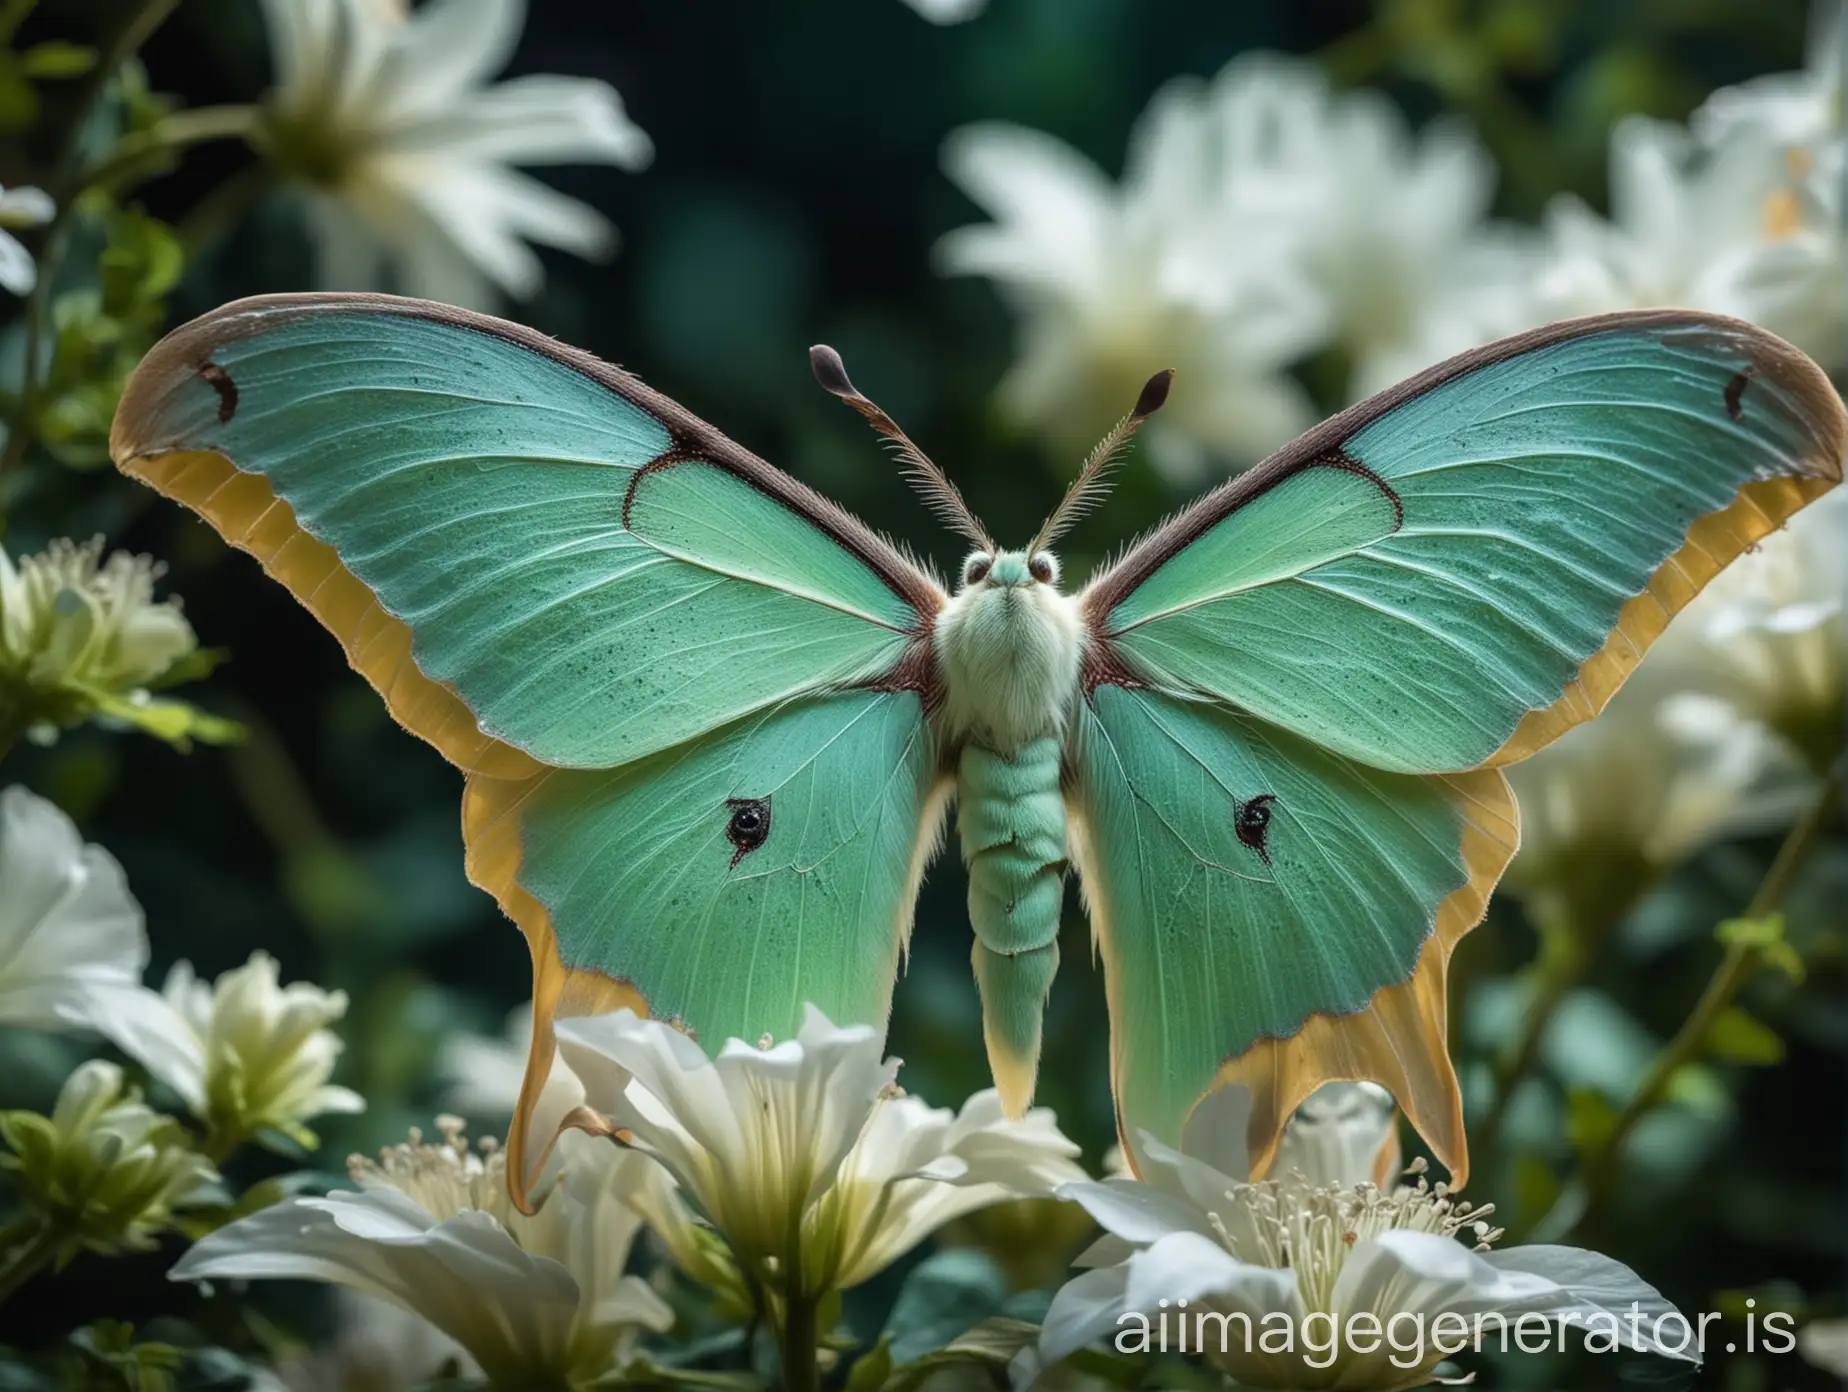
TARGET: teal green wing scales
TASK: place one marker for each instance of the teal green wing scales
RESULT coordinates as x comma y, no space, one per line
1242,879
1454,572
593,572
689,693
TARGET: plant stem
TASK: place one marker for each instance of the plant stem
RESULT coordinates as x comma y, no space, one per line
796,1331
797,1342
24,1263
1737,967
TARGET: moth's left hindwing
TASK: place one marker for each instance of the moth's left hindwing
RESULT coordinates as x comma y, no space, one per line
625,628
1436,582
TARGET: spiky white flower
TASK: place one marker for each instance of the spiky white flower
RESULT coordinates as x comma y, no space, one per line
1113,282
1318,1282
82,637
383,115
104,1172
1767,638
21,207
1261,217
804,1150
535,1301
1735,227
246,1053
71,934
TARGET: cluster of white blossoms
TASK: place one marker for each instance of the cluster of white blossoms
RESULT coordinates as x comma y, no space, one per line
246,1055
1264,217
382,115
793,1169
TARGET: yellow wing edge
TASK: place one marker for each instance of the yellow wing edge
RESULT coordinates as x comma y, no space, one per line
492,857
1713,542
246,512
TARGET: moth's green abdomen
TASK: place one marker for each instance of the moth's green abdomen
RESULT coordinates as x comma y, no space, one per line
1012,821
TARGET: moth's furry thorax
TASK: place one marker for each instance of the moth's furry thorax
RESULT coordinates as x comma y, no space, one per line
1009,647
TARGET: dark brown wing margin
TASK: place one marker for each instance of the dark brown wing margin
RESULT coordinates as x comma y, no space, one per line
1324,444
690,437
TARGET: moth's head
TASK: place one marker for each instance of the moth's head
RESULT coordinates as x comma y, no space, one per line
1010,570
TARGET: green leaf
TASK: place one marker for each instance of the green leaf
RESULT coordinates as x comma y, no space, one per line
943,1296
1766,934
176,722
1738,1037
55,59
870,1371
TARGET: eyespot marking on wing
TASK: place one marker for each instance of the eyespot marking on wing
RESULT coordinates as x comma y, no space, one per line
1735,391
749,826
1251,820
220,381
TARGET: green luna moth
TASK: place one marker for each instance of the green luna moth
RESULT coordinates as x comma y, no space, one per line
711,723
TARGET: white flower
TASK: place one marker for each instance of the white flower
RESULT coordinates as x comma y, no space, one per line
20,207
1261,217
382,113
1390,228
377,1347
1734,227
246,1053
1767,637
1113,283
804,1149
83,637
948,11
1645,785
1344,1133
534,1300
482,1073
1797,111
1824,1344
104,1171
1373,1288
70,932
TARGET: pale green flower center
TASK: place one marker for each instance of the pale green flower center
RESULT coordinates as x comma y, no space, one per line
1311,1229
71,616
445,1178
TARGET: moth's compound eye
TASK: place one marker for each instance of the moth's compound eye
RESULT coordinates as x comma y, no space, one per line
1043,568
749,826
975,569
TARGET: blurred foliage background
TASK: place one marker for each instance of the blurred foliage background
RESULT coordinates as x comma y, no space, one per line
795,198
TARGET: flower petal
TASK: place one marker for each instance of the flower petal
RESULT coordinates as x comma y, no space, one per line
1137,1213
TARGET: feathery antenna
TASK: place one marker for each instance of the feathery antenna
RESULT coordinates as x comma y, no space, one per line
933,485
1093,481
